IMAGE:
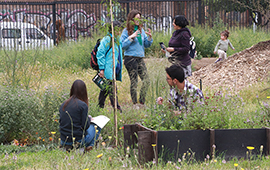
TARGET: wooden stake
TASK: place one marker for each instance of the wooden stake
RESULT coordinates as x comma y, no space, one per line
114,81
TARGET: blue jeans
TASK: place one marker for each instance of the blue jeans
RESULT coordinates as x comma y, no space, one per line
90,137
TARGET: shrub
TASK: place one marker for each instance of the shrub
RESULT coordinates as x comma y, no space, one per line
220,111
18,113
28,115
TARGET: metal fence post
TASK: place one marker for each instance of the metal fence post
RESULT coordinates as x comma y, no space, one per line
127,7
54,21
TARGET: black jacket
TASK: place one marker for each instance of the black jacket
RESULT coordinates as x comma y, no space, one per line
76,112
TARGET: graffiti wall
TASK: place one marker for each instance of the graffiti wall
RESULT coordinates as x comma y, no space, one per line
76,22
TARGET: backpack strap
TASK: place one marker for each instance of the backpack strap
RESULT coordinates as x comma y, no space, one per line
110,45
191,38
108,51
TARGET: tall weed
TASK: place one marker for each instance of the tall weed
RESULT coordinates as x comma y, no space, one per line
23,68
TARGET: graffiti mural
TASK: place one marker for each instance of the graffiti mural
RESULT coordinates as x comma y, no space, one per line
76,22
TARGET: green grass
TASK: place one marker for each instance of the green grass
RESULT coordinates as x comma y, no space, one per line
116,159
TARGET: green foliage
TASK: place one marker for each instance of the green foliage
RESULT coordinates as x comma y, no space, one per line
50,101
17,105
219,111
163,118
8,149
26,114
18,67
154,50
71,54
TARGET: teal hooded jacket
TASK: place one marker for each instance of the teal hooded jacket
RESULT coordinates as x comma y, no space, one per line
106,62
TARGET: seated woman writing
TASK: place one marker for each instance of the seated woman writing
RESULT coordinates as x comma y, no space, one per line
75,124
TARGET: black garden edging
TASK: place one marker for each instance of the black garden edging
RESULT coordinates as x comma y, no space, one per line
232,143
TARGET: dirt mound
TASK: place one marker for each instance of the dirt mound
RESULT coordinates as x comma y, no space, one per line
237,71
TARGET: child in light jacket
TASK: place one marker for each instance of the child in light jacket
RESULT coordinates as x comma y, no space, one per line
222,46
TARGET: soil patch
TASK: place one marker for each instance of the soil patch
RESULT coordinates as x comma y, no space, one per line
202,62
240,70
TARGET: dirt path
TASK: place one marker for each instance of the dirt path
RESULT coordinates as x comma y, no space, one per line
202,62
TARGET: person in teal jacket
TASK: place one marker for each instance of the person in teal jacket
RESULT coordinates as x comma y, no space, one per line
134,39
105,63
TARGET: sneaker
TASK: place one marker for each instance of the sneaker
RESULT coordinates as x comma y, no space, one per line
219,59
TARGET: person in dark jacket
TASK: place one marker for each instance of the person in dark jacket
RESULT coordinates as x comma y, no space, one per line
179,44
75,124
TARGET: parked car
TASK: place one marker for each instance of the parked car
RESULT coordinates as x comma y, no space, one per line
23,36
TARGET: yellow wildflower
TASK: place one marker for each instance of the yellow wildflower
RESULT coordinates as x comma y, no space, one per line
236,165
53,133
250,147
110,137
154,145
100,155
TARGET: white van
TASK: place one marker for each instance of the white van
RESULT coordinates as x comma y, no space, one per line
23,36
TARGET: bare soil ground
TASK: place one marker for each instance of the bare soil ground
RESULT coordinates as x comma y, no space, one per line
202,62
240,70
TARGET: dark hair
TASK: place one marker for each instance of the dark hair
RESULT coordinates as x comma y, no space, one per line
78,90
176,72
130,25
225,33
115,24
181,21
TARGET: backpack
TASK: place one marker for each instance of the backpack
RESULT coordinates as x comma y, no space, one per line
192,47
192,52
93,60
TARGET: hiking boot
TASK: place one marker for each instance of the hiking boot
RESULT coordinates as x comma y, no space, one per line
88,148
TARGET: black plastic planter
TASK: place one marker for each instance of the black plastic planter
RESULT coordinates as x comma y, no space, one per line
171,145
233,142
